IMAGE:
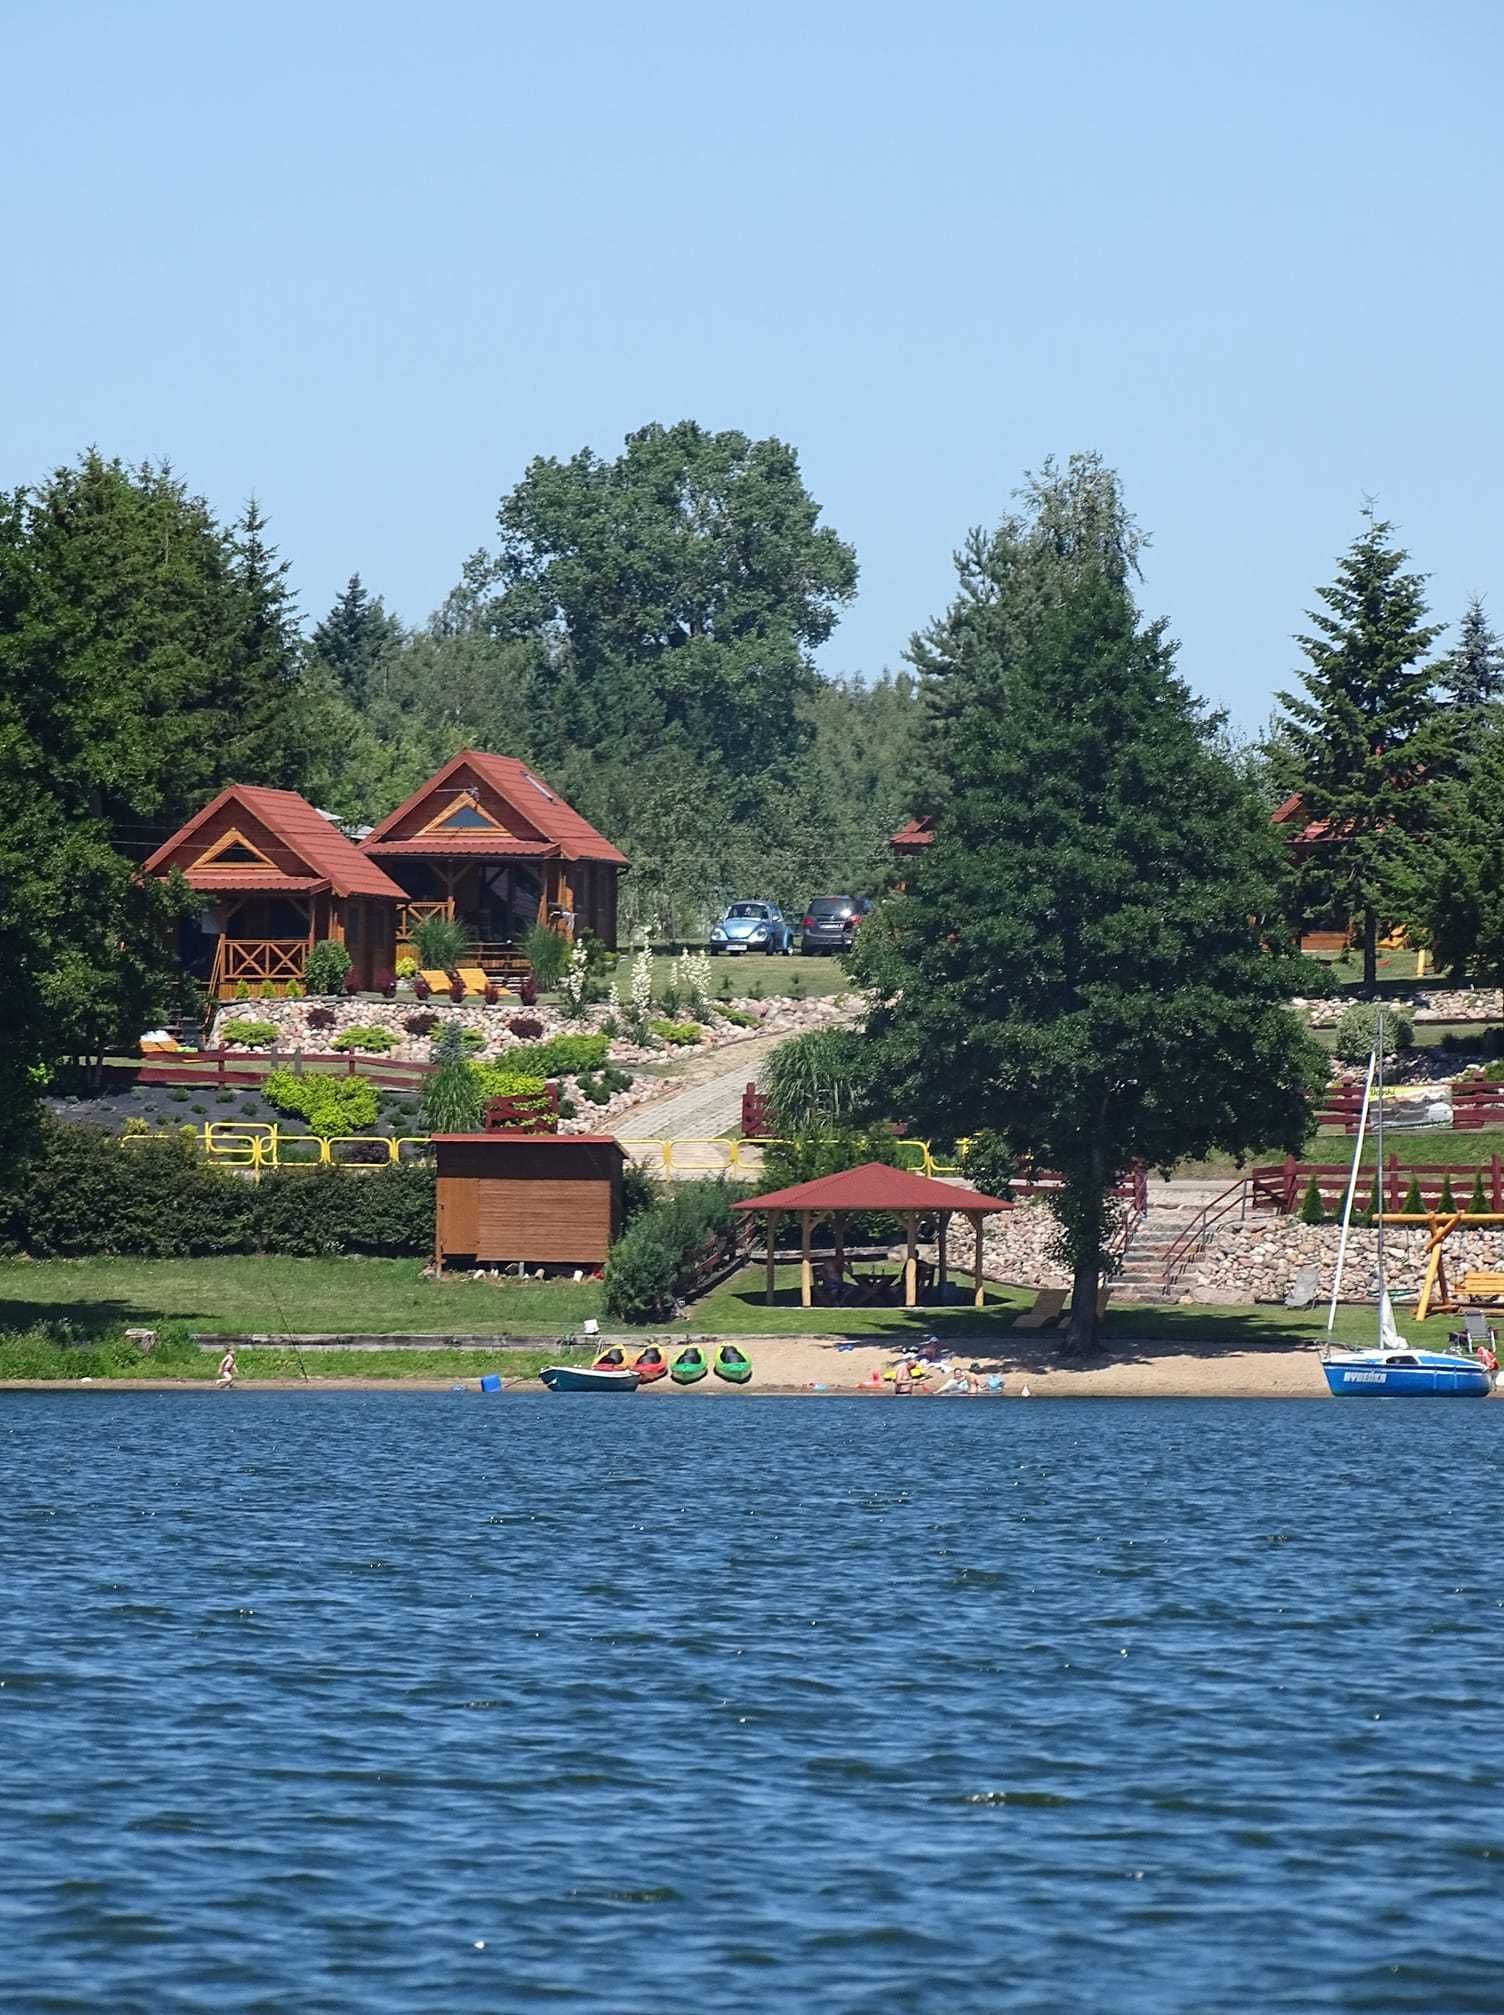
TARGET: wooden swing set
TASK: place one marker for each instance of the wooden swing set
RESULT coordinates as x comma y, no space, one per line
1436,1298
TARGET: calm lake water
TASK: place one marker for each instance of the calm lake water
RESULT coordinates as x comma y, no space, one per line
419,1703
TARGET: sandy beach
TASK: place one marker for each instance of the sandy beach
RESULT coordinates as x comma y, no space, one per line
830,1366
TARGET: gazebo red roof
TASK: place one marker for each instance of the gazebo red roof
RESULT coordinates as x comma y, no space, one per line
875,1186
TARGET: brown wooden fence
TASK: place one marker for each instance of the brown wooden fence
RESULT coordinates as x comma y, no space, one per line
225,1067
1282,1186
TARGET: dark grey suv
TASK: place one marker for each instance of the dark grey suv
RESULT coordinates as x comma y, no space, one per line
830,923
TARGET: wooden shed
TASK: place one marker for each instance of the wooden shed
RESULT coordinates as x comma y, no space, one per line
546,1199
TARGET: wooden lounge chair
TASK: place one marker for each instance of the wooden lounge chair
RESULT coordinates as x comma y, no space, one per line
437,981
474,978
1048,1304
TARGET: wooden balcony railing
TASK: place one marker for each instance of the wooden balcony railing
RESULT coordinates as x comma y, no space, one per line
258,959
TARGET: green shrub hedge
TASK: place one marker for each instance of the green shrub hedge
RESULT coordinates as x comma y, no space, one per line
84,1193
249,1034
560,1056
652,1261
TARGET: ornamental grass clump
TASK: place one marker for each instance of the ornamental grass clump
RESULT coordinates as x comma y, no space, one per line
439,942
546,953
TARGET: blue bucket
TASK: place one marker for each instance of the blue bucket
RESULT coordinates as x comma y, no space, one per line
490,1383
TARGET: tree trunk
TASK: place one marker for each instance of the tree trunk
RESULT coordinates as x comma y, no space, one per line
1370,950
1080,1338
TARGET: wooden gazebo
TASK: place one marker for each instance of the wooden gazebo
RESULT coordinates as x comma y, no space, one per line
877,1187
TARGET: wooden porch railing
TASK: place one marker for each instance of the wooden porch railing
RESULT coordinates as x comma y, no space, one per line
237,959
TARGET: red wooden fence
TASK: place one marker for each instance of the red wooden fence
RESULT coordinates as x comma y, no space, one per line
1282,1186
225,1067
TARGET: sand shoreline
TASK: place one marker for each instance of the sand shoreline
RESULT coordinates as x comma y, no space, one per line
811,1367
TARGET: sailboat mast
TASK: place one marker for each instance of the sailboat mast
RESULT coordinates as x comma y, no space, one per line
1379,1162
1347,1201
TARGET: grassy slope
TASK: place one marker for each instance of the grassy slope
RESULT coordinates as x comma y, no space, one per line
100,1297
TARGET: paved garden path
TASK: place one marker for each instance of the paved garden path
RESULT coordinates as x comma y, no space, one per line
698,1108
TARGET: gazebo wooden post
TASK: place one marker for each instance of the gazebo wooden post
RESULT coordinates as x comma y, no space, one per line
805,1277
976,1225
911,1260
838,1220
940,1243
772,1223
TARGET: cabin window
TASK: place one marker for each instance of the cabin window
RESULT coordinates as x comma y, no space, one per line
466,819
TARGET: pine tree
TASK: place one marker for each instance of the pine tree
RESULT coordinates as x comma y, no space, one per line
353,639
1073,964
1368,735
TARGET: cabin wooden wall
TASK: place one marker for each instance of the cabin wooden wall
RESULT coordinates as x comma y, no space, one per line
509,1197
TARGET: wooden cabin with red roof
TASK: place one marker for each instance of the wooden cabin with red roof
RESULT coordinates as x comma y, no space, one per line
279,876
912,837
489,844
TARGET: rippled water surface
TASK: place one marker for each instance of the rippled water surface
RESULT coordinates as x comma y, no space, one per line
398,1702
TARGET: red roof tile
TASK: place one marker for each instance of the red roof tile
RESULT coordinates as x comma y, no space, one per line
538,802
305,832
875,1186
210,879
916,833
486,846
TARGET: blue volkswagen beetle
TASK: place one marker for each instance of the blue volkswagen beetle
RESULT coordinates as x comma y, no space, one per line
752,927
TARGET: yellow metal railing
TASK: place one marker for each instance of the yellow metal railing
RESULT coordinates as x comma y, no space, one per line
259,1144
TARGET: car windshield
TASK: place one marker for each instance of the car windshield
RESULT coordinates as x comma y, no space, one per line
829,906
757,911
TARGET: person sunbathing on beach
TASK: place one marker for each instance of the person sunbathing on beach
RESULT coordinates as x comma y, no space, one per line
227,1368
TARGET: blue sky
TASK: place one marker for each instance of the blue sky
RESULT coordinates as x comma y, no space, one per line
367,260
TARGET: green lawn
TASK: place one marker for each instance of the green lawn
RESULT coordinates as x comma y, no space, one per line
100,1297
748,971
1417,1150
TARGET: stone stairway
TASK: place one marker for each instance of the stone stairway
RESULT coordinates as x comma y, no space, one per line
1173,1209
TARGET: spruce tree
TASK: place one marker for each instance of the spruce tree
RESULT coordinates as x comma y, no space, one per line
1471,675
353,639
1368,736
1074,964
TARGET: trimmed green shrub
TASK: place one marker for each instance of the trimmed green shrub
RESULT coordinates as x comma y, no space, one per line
738,1017
1446,1201
1357,1026
1413,1198
640,1276
242,990
1477,1201
249,1034
327,964
1312,1209
331,1105
473,1039
376,1041
656,1255
560,1056
679,1033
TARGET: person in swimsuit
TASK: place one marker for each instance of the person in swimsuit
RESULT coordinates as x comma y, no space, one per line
227,1368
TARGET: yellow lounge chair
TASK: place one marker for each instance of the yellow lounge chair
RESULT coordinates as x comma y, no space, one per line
438,982
474,978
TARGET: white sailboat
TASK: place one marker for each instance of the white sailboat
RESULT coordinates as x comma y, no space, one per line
1392,1369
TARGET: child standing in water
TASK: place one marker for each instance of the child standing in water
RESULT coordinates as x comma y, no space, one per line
227,1368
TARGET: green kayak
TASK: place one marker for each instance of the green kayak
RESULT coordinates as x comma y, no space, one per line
689,1367
732,1365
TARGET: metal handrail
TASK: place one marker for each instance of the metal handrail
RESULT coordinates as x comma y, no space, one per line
1183,1249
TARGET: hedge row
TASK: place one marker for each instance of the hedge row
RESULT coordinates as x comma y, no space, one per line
664,1246
86,1192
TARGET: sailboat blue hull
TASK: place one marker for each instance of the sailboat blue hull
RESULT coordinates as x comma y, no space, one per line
1377,1380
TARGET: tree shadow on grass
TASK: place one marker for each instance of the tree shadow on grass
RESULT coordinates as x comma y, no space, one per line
92,1318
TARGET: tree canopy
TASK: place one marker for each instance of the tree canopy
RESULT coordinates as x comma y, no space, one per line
1075,964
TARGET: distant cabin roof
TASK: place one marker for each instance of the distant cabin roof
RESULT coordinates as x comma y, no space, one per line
912,835
535,800
304,831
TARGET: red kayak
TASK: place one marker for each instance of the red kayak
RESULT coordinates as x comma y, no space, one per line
650,1364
